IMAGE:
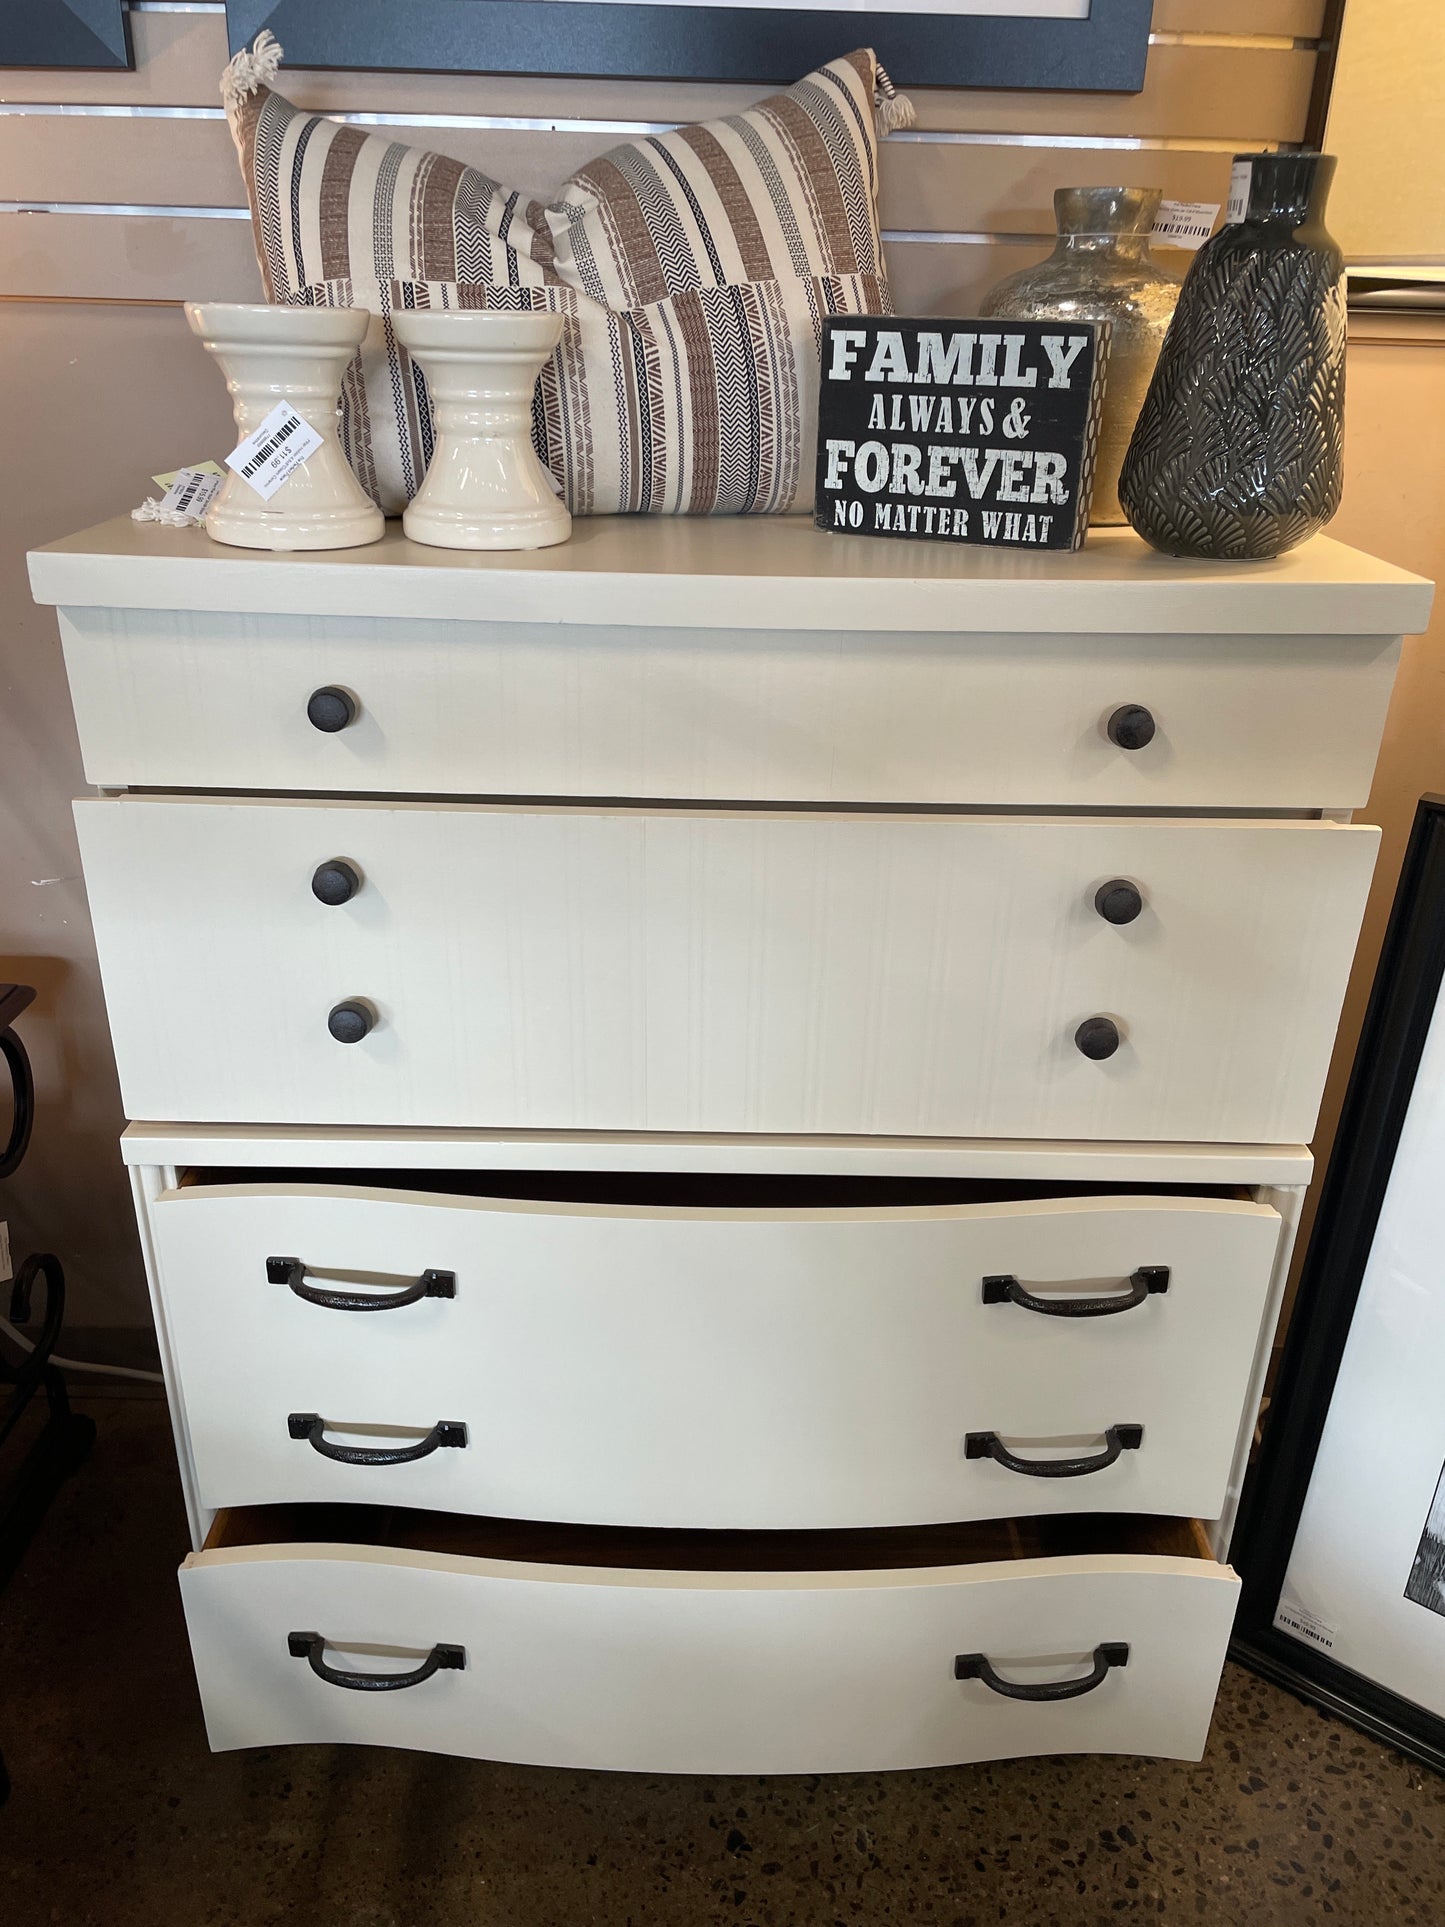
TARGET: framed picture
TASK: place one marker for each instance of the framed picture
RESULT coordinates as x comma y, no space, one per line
1095,45
65,33
1341,1538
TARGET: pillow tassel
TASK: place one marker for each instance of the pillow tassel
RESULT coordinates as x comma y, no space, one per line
254,67
891,109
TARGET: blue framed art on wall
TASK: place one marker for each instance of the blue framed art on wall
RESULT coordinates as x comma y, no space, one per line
65,33
1090,45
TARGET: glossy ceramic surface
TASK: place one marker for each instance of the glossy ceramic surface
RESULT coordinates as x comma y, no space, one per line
1238,451
294,355
485,487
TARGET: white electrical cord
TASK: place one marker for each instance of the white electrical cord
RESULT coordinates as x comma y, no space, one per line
80,1364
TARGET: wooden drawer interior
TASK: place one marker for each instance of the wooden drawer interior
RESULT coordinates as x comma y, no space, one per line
650,1549
698,1189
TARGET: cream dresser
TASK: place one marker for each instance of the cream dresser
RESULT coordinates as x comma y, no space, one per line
719,1115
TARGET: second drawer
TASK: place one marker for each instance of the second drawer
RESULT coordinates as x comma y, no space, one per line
690,970
705,1366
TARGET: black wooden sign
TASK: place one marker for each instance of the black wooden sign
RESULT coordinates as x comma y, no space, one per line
962,431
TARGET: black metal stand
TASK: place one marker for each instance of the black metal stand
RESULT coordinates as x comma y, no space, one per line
66,1436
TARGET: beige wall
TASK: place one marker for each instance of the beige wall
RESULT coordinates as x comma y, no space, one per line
96,398
1388,204
1386,121
1394,506
100,386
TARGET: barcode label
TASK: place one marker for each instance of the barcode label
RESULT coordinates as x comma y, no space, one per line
1184,224
275,450
1293,1618
268,449
191,492
1240,176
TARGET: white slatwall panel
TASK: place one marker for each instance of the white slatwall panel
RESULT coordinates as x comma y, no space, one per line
963,192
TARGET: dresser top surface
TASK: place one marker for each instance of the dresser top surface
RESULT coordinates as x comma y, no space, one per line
778,573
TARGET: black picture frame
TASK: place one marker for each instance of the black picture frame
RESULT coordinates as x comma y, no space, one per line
1104,53
1402,1005
65,33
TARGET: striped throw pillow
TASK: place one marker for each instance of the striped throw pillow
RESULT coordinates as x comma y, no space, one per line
694,270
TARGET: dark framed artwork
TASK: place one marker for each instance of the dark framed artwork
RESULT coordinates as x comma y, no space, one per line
1094,45
65,33
1341,1535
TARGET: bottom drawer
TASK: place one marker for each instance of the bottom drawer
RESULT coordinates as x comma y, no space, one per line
687,1652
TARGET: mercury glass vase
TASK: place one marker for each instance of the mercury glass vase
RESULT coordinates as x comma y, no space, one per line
1101,270
1238,449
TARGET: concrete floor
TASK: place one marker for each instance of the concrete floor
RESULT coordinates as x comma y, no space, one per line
120,1817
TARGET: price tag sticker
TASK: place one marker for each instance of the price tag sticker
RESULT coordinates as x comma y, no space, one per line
1184,224
196,468
1240,176
191,491
1293,1618
274,451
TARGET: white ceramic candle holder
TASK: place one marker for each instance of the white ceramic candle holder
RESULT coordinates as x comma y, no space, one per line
298,356
485,487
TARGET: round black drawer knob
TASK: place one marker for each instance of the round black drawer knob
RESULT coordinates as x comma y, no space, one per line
338,882
1117,901
1131,726
331,709
349,1022
1097,1037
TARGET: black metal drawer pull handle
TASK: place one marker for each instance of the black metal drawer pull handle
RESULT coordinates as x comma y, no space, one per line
291,1272
976,1666
312,1427
310,1646
988,1445
1147,1281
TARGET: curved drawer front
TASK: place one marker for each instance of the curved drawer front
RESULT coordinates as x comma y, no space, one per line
178,700
716,971
706,1368
706,1672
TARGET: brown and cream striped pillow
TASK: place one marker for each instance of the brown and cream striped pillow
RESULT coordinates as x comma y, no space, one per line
694,269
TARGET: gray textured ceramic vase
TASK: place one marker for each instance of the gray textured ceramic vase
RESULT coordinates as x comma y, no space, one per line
1101,270
1238,449
1239,446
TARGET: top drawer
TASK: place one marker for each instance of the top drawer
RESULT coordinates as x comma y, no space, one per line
176,699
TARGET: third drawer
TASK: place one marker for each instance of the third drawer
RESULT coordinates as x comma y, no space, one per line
710,970
710,1365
